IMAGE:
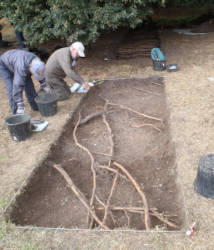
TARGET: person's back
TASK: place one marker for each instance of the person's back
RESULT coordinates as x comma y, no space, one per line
58,63
16,68
17,60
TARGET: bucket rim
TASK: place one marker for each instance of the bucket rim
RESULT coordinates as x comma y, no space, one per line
27,119
52,98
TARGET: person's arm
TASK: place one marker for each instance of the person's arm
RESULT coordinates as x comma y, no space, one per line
43,86
76,77
66,63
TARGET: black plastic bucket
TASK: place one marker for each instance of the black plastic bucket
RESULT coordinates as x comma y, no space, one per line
159,65
19,126
47,104
204,183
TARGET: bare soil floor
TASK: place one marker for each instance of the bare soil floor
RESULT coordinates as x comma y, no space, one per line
189,98
141,144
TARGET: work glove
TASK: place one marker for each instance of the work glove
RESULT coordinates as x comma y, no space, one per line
78,88
20,108
75,87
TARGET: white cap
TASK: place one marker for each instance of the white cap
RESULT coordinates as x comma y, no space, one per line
37,68
79,47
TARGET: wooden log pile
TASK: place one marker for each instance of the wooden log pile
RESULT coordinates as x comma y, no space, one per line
138,44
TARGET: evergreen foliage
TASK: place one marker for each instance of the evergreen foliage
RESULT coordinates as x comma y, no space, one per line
85,20
42,20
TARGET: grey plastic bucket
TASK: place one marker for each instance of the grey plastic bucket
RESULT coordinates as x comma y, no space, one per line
47,104
19,126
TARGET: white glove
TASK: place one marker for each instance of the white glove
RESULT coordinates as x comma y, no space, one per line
75,87
78,88
82,90
20,108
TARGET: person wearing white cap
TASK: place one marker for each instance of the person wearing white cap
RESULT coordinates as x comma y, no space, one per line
61,64
16,68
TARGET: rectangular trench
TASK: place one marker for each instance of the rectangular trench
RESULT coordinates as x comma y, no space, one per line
128,123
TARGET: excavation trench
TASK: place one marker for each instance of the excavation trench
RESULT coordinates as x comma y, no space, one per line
118,123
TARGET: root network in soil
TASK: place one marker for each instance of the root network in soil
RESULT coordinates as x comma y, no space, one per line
113,166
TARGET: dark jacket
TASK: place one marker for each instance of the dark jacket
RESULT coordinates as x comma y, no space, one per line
17,62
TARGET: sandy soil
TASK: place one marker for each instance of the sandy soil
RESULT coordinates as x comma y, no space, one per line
189,97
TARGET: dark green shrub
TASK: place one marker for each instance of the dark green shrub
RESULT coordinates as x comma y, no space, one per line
42,20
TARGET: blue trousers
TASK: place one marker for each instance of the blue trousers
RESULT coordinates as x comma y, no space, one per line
20,38
29,89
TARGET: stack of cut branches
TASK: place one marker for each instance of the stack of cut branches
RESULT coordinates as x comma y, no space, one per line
138,44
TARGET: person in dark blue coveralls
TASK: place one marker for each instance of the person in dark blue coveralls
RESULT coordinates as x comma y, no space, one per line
16,68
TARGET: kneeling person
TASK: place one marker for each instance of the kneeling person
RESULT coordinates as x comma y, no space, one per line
61,64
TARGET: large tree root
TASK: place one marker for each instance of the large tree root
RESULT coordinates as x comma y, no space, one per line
142,195
90,117
140,210
79,194
132,110
109,163
109,198
109,131
110,135
92,162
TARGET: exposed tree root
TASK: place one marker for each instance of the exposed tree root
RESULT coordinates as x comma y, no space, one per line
92,162
142,195
110,137
100,153
147,91
107,206
113,170
109,198
140,210
128,218
79,194
132,110
147,124
90,117
163,219
157,83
